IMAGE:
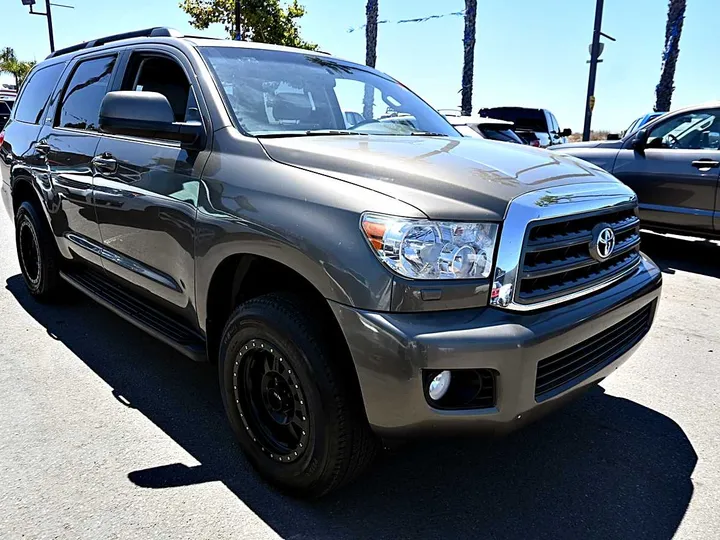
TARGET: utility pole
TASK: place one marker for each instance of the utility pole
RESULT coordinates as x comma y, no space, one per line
594,56
48,15
596,49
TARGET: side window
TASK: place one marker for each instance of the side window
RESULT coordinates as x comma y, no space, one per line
80,105
147,73
553,124
36,92
698,130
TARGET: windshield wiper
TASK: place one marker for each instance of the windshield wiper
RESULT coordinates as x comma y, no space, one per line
308,133
333,132
427,134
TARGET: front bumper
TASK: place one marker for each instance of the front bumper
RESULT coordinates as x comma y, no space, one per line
390,350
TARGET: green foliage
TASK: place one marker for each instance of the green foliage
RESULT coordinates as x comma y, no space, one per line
17,68
265,21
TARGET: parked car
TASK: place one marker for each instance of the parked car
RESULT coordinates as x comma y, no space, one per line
350,285
6,106
531,124
484,128
672,163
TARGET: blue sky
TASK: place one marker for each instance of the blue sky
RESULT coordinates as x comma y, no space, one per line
528,52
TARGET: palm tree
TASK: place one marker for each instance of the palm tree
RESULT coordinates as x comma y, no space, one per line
673,30
469,57
17,68
9,64
371,27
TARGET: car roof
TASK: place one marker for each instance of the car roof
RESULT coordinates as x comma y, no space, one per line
164,34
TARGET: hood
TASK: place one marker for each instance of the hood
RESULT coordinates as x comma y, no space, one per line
446,178
588,144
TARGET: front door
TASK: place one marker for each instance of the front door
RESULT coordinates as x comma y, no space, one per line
68,145
146,194
676,175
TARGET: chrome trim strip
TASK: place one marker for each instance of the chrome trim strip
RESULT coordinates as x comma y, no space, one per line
541,205
124,261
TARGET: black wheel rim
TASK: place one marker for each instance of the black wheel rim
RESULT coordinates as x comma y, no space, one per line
29,252
271,401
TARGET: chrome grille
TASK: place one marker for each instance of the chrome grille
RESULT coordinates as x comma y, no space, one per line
556,259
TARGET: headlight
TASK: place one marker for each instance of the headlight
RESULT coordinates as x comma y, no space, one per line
424,249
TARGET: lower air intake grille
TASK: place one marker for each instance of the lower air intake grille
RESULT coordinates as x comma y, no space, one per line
561,371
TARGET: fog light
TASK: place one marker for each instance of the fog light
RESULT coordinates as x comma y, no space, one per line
439,385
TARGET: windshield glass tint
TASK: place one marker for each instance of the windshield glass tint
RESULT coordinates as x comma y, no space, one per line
278,92
526,119
498,134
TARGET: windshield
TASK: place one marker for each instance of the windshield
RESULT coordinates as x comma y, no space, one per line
278,93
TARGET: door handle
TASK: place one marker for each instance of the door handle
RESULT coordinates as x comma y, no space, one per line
42,147
706,164
105,163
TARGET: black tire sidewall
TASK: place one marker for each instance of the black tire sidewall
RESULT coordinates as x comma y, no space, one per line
257,321
27,216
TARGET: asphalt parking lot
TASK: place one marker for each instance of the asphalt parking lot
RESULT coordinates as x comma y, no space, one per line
105,433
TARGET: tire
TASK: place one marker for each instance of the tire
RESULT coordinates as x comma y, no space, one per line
326,441
37,253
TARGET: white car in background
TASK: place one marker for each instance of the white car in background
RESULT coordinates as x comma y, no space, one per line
484,128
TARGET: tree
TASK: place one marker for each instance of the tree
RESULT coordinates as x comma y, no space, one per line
673,30
265,21
371,28
469,57
17,68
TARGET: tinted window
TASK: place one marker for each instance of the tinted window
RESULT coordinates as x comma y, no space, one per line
526,119
4,107
505,135
164,76
80,107
36,92
698,130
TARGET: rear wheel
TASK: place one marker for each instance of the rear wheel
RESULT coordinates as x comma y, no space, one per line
297,415
37,253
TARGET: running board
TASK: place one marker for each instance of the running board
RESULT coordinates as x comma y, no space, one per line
136,311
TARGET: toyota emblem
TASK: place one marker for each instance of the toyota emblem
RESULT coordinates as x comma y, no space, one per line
603,241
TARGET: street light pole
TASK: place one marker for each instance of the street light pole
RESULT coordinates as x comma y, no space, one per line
594,54
50,26
48,14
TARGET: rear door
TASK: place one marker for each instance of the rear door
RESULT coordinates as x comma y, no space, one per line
676,175
146,193
68,142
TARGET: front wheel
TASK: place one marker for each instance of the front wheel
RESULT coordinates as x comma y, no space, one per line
37,253
296,413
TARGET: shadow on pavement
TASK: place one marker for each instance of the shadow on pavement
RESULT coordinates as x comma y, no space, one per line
604,467
687,254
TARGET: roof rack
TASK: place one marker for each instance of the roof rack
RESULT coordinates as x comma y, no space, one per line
148,32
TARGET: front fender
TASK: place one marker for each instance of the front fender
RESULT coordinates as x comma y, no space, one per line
249,204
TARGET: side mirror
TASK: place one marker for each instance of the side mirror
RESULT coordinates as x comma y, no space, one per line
613,137
145,114
639,140
566,132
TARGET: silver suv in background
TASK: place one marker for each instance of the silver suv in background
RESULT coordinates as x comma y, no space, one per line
538,127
